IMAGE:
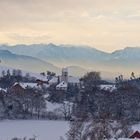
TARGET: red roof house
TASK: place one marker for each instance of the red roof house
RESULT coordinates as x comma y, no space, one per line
135,135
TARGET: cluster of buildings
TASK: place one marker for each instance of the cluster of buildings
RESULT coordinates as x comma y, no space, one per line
62,81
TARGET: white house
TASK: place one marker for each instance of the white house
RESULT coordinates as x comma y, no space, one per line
62,86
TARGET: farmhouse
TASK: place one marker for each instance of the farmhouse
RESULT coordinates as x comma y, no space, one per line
22,86
135,135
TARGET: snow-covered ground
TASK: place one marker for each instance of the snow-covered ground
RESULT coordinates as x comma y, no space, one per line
44,130
136,127
53,106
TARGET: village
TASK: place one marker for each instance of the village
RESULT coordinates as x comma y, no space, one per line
45,81
62,97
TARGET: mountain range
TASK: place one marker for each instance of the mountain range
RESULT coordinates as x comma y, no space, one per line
79,59
25,62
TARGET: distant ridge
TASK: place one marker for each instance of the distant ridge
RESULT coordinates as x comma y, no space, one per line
25,62
83,57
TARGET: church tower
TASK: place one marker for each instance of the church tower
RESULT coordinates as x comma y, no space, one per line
64,75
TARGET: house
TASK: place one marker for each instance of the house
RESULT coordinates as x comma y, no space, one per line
25,85
17,89
22,86
136,134
62,86
41,82
2,92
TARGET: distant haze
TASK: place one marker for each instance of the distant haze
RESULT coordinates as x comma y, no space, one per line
79,59
107,25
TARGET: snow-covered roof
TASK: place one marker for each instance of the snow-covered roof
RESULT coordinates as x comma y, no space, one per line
31,85
25,85
62,85
126,139
41,77
108,87
72,79
1,89
53,80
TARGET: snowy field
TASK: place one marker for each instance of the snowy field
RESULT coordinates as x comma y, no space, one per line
44,130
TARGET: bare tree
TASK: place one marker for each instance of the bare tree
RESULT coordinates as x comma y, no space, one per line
66,109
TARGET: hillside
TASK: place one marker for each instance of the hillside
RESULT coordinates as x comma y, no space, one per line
24,62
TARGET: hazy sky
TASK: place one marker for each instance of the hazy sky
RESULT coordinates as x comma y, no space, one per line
104,24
